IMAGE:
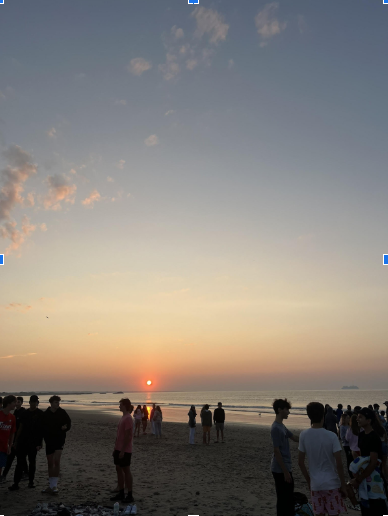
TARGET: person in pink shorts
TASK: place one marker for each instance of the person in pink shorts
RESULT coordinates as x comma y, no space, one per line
325,477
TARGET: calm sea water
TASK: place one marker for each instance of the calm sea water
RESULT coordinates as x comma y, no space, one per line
243,406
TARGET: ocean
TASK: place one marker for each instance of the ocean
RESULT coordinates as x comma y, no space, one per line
240,406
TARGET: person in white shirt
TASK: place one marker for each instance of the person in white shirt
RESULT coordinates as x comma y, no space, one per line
325,478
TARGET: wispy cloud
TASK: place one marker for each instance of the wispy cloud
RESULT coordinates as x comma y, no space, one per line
230,64
191,64
8,230
52,133
93,334
13,356
93,197
60,189
138,66
170,68
169,112
177,33
151,140
120,164
19,307
120,102
268,24
110,179
211,23
15,174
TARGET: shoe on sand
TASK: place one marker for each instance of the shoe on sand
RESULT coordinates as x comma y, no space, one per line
55,490
14,487
48,490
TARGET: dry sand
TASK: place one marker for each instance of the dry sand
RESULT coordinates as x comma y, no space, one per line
170,476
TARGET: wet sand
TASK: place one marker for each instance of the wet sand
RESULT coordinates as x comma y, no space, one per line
170,476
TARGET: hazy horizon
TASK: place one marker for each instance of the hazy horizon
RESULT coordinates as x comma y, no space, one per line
194,195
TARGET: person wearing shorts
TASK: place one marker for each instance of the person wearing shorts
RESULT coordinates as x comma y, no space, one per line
219,420
122,453
325,478
55,424
7,429
206,417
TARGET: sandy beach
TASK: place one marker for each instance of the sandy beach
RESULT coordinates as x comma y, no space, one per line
170,476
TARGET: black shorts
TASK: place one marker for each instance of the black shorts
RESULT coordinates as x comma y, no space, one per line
54,445
124,462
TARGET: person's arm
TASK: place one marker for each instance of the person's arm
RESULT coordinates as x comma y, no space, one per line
279,460
340,470
17,435
302,467
367,471
11,438
295,438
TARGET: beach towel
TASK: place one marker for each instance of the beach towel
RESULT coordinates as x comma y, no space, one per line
371,488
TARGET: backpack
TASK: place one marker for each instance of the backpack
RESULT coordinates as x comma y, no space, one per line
302,506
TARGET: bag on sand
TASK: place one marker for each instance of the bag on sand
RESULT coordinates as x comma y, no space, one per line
302,506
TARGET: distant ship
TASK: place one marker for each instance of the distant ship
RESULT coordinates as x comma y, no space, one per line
120,392
102,392
350,387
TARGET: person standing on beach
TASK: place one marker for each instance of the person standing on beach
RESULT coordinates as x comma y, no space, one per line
367,468
152,419
206,416
122,453
138,417
7,429
28,442
192,424
352,436
55,424
344,427
158,417
281,459
325,478
338,412
145,418
17,413
331,421
219,420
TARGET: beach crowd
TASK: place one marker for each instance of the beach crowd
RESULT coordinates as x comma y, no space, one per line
362,435
359,433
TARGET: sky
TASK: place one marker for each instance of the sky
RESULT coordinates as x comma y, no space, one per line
195,195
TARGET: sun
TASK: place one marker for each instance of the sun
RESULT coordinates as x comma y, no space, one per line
149,382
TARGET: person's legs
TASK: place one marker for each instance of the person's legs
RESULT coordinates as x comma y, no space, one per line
128,478
158,429
20,460
192,435
218,432
57,463
204,437
285,495
208,437
10,459
50,464
120,477
222,433
31,464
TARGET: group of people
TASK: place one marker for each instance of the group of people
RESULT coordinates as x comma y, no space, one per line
361,433
206,421
22,434
141,419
